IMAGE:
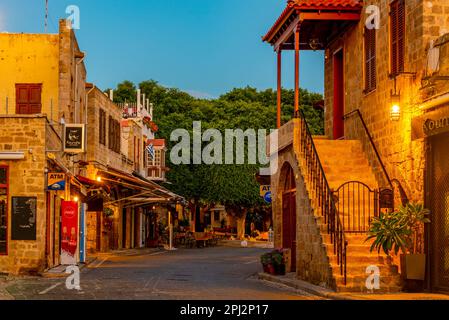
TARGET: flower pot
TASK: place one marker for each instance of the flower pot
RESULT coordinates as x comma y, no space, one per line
271,270
265,268
414,266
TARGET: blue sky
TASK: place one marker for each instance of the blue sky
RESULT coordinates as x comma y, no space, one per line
205,47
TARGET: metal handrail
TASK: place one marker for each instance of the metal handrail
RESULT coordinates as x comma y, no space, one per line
373,145
325,196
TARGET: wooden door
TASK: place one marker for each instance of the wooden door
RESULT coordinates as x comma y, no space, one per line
289,225
339,97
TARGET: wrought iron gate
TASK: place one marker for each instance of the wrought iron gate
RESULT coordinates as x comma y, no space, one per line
357,204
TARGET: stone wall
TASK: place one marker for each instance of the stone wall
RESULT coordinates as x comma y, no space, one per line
403,157
95,150
26,178
311,257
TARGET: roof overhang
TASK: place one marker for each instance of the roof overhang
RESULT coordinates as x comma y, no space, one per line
319,20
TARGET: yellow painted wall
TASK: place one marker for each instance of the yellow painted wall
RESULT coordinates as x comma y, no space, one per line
29,58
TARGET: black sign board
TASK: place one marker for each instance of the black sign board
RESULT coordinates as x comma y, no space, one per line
74,138
23,218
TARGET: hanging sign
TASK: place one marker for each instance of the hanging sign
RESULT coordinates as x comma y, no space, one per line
69,232
74,137
265,193
56,181
431,124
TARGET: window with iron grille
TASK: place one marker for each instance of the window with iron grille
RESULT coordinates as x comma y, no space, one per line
3,210
370,60
102,127
397,35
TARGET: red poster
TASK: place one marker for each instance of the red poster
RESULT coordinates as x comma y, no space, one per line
69,232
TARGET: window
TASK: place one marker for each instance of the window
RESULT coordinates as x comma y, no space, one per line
114,135
397,21
3,210
28,98
370,60
102,127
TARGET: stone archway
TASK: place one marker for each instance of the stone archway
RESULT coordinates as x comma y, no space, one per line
287,185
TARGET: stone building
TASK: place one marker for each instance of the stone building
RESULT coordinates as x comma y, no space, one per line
385,123
43,180
42,87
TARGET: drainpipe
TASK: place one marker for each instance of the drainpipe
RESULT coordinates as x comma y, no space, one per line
76,82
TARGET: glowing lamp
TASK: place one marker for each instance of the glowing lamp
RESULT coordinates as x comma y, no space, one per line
76,199
98,179
395,113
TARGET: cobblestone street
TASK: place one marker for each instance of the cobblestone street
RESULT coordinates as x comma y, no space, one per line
214,273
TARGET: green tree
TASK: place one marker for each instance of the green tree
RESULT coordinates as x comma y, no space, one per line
234,186
126,92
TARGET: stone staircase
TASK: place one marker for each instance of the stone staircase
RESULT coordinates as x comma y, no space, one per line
344,161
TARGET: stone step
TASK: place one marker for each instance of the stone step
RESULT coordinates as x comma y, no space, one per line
362,258
388,284
357,268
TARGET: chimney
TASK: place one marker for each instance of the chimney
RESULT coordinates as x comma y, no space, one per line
111,95
143,102
148,105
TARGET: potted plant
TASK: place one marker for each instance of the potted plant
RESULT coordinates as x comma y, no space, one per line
402,231
267,263
278,261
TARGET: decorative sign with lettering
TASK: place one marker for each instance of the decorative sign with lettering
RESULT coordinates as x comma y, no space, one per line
69,232
23,218
431,124
74,136
56,181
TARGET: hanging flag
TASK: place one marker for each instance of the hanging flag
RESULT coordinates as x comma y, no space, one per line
150,150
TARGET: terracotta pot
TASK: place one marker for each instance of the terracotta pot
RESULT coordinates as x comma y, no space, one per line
414,266
271,270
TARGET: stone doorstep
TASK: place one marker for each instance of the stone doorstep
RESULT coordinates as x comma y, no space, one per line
329,294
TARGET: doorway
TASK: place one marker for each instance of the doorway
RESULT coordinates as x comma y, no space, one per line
289,214
439,206
339,97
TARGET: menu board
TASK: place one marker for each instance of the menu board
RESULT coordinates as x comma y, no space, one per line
23,226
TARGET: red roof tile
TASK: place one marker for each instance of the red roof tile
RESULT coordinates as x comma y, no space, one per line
313,4
156,142
328,3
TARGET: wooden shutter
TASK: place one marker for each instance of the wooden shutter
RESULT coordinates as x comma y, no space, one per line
397,19
28,98
370,60
111,134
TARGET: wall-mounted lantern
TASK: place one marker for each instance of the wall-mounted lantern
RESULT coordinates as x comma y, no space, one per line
395,111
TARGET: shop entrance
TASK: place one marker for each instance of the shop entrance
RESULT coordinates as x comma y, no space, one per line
439,205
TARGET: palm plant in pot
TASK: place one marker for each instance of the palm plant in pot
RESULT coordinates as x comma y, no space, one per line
403,231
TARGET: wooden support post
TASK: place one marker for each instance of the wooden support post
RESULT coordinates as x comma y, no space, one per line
297,69
279,88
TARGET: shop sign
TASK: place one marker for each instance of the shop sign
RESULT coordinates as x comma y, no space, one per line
69,232
265,193
430,124
56,181
74,137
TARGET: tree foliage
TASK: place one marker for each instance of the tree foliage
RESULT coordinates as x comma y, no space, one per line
244,108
